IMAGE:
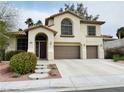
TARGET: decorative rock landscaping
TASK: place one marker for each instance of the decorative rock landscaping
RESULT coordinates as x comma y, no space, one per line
45,70
42,64
42,70
6,75
41,67
36,76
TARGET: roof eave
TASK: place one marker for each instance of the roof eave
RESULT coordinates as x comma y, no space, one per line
34,27
46,20
93,22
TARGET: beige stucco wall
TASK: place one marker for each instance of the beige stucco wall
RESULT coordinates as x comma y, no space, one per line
51,22
76,28
80,35
12,44
50,42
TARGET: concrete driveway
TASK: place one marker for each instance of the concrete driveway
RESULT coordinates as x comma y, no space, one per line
76,75
93,67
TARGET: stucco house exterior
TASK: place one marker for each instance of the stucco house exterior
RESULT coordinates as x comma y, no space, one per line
65,35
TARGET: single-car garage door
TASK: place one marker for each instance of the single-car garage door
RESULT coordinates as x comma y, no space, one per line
67,52
92,52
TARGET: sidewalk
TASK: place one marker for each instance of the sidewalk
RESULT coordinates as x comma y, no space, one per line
65,84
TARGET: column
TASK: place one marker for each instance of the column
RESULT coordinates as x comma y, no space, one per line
31,43
83,51
100,52
50,48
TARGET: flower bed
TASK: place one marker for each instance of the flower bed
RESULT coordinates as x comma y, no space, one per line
7,75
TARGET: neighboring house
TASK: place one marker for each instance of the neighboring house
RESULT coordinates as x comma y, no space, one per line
65,35
107,38
116,44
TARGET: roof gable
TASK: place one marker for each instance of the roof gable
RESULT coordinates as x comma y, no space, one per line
82,21
61,13
38,26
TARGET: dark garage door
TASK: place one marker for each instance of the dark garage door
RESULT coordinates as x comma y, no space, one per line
67,52
92,52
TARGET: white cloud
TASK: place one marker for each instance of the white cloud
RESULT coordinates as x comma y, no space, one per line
34,14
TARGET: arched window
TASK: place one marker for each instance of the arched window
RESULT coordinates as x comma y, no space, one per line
66,27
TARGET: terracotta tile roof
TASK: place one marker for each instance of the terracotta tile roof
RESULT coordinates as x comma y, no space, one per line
38,26
60,13
92,22
31,28
84,21
107,36
18,33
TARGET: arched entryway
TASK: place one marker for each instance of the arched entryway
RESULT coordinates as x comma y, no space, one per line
41,46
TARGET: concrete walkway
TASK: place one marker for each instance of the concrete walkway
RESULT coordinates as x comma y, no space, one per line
76,75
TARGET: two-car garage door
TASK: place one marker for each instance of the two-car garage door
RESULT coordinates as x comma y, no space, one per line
67,52
73,52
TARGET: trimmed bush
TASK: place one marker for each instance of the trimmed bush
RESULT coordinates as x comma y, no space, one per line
111,52
9,54
23,63
118,57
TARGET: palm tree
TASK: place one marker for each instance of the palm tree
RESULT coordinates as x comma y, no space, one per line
29,22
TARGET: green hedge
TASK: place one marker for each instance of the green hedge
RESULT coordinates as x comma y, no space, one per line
23,63
9,54
111,52
118,57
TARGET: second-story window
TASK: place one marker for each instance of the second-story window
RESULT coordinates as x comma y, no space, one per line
66,27
91,30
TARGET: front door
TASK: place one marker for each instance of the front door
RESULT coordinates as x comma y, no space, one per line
41,49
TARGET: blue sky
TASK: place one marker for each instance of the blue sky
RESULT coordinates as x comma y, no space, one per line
109,11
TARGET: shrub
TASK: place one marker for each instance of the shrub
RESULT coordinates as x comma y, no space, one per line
111,52
9,54
116,57
23,63
122,58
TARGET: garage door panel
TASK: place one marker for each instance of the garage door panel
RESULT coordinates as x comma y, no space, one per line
67,52
92,52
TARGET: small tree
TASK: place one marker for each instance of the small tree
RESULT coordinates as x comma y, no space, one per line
29,22
20,29
79,10
3,39
8,15
120,33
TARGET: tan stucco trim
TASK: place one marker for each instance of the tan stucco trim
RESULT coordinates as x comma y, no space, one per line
66,43
82,21
94,36
17,33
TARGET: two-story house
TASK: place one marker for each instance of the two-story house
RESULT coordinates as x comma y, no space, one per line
65,35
